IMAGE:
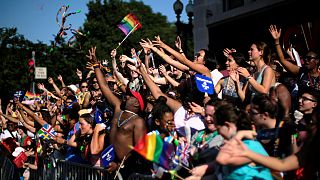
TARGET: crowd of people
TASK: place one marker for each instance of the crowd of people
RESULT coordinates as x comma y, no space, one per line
256,119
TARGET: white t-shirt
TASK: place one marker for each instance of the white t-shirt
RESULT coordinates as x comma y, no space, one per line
181,119
216,76
5,134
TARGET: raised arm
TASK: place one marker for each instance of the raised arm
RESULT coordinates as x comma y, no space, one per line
21,119
156,91
234,75
32,114
168,78
10,118
112,99
164,56
117,73
200,68
276,33
50,80
25,119
147,56
97,141
61,80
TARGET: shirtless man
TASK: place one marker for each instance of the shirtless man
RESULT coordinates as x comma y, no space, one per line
127,127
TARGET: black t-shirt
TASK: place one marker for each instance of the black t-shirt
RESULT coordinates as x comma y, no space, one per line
279,139
306,81
308,160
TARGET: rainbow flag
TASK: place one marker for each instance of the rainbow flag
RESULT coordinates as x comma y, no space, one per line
30,96
128,23
154,149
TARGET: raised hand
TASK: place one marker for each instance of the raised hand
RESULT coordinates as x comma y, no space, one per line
227,52
146,44
177,42
196,107
243,71
132,67
92,55
50,80
133,53
163,69
146,50
123,58
234,75
60,78
79,73
289,52
158,42
89,66
105,63
275,33
41,86
113,53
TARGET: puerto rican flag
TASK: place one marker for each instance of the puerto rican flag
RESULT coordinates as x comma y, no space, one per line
46,132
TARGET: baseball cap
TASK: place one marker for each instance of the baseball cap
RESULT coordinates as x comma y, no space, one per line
138,96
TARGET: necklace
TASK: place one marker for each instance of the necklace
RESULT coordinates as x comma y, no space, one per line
313,80
126,120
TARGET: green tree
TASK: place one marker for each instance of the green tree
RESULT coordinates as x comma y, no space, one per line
103,18
101,30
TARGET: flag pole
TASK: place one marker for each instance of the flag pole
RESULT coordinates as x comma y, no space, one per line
127,35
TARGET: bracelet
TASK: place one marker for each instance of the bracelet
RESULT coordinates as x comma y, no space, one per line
276,44
249,77
119,84
96,66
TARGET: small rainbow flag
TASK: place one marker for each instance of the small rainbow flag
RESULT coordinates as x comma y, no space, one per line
129,23
154,149
29,96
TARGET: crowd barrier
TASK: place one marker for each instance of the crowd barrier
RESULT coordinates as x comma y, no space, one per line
53,170
7,168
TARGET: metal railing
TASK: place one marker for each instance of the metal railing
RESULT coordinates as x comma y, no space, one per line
53,170
7,169
66,170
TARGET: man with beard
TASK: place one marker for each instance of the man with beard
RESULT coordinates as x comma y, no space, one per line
127,127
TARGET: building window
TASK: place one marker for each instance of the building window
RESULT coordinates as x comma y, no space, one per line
231,4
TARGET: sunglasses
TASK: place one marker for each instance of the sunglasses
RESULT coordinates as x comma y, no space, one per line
95,82
84,86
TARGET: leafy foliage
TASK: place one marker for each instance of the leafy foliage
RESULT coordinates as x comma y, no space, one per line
102,21
101,30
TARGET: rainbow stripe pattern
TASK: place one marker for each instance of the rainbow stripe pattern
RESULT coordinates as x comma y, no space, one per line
129,22
29,96
154,149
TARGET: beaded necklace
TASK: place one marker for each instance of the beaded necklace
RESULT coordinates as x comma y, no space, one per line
126,120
